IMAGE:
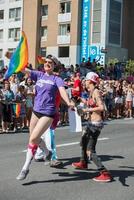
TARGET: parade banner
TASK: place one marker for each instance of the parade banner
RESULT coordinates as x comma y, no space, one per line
75,124
85,29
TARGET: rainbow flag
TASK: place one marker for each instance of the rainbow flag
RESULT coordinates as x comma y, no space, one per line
17,109
40,60
19,59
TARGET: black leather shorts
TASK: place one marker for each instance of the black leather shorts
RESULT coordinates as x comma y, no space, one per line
39,115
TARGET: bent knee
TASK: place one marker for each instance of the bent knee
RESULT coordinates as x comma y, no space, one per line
34,140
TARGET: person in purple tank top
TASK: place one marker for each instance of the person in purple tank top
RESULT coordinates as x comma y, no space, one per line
44,110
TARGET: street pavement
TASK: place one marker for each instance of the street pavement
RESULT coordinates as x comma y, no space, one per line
115,147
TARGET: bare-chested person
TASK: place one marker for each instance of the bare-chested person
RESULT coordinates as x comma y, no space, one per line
95,107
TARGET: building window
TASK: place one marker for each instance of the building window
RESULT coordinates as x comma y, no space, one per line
1,53
63,52
43,52
11,33
45,10
2,1
44,31
64,29
11,50
15,13
14,34
1,14
115,22
1,34
96,21
65,7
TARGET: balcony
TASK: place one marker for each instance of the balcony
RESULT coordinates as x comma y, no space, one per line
1,21
13,39
63,39
44,17
14,19
43,38
16,39
64,17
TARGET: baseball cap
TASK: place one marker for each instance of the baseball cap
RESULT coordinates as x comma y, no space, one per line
93,77
54,59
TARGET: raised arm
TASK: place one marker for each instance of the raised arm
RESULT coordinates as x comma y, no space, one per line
27,71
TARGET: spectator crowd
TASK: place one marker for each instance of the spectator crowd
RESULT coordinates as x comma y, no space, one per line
117,92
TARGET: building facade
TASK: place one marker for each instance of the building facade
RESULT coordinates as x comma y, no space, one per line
69,29
10,26
53,29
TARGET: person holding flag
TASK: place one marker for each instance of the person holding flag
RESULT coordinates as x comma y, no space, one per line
44,110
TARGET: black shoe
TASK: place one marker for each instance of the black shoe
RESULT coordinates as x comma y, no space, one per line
56,163
39,160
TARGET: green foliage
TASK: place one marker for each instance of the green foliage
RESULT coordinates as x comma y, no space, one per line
112,61
130,67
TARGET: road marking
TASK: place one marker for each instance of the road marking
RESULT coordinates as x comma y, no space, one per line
72,143
67,144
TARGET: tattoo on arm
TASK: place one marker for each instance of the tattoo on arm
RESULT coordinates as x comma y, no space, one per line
98,99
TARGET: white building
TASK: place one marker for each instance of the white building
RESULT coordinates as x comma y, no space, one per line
10,26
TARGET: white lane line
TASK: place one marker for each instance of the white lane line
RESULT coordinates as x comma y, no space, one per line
70,144
74,143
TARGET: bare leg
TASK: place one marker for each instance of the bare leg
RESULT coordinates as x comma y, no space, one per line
37,128
41,126
33,122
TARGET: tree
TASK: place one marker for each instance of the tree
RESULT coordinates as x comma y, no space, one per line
112,61
130,67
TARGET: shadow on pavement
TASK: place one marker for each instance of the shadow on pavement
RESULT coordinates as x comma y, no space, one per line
123,174
66,177
104,158
77,175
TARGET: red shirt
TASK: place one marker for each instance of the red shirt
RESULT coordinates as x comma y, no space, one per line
56,117
57,100
77,83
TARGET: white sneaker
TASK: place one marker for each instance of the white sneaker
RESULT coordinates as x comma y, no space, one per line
126,118
22,175
15,130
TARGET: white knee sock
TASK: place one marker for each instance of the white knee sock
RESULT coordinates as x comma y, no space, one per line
43,146
29,155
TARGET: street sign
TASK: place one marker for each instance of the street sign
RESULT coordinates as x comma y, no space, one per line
98,53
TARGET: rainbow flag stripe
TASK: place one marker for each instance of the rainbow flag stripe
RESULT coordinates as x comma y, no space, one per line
19,59
40,60
17,109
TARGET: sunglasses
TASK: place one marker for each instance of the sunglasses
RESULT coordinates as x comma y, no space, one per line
49,61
